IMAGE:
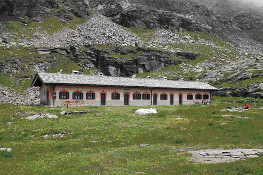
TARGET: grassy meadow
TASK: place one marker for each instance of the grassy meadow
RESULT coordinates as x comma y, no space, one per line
112,140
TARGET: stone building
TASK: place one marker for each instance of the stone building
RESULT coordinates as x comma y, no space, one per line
56,89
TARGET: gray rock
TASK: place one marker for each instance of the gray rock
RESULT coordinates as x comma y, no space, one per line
219,156
6,149
144,145
51,116
255,95
255,87
33,117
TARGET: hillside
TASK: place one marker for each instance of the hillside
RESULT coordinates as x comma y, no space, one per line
219,42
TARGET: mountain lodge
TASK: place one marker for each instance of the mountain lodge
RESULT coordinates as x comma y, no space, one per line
57,89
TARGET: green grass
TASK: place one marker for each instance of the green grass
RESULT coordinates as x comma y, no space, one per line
238,84
119,133
145,34
48,25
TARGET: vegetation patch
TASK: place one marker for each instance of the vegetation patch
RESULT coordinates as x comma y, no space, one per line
114,140
27,28
144,33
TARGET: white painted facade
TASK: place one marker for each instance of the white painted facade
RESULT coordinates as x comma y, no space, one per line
50,96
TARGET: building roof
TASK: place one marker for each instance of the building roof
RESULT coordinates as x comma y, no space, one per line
80,79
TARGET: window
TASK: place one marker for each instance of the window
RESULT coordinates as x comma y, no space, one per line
90,96
190,97
115,96
198,96
163,97
54,95
205,97
63,95
146,96
137,96
77,95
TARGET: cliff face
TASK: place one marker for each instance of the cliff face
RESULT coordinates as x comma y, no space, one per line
40,9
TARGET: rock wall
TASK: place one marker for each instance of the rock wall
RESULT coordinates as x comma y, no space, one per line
121,61
254,90
129,14
37,10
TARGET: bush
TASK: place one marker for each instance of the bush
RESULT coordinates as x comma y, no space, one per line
6,154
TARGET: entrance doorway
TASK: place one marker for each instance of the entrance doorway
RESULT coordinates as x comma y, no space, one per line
154,99
180,99
126,99
171,99
103,99
47,93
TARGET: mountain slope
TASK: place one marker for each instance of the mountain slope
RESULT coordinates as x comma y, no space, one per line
176,39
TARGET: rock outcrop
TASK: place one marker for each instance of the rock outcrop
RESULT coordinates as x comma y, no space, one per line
133,15
30,97
254,90
37,10
121,61
219,156
97,31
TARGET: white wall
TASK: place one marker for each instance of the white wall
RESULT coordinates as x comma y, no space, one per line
120,102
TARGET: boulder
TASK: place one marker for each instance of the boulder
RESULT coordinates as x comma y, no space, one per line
255,87
145,111
6,149
110,8
33,117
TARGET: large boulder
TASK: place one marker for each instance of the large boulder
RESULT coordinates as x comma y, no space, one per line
255,87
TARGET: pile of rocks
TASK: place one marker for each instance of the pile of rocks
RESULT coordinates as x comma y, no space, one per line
167,37
97,31
30,97
218,156
58,134
43,115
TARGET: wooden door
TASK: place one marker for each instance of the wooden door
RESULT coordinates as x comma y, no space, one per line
103,99
154,99
180,99
126,99
171,99
47,94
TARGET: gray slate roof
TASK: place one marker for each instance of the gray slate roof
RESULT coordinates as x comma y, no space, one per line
80,79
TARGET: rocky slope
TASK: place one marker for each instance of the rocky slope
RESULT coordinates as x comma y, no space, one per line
215,41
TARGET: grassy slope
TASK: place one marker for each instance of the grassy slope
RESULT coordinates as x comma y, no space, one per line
119,133
28,57
52,25
208,53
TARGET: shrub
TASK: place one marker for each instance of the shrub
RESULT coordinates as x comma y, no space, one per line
6,154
